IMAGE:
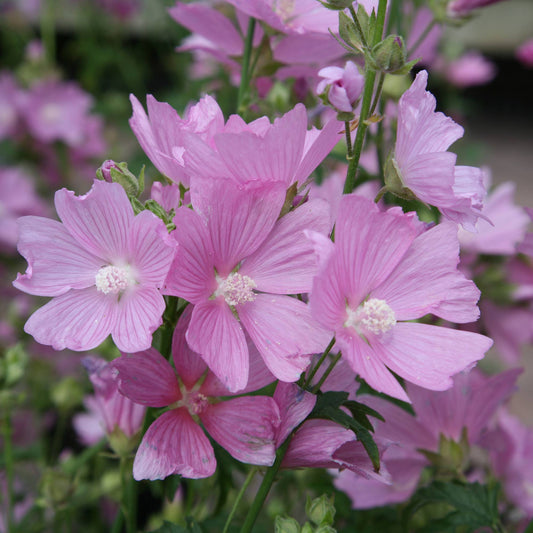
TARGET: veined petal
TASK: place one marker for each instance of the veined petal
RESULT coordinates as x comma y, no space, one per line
283,331
217,336
139,314
174,444
246,427
147,378
56,262
286,262
100,220
78,320
429,355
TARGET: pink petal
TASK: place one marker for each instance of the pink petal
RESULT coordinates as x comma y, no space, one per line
174,444
370,243
361,357
78,320
139,314
189,365
429,355
294,405
56,262
217,336
246,427
191,275
147,378
427,277
239,218
284,332
286,262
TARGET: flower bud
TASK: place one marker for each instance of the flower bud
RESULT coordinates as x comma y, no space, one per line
67,394
337,5
320,511
118,172
342,88
57,488
390,56
13,365
286,525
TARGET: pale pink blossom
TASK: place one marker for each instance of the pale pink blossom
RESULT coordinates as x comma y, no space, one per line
524,53
422,165
472,68
343,85
109,410
175,443
103,266
383,272
464,410
237,263
426,51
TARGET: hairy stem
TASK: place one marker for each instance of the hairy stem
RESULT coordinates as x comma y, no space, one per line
245,70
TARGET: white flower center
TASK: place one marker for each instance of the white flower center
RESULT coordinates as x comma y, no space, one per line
373,316
284,8
236,289
114,279
51,112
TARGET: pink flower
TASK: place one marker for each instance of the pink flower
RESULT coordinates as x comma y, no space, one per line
103,266
470,69
343,86
10,95
381,273
236,264
422,165
524,53
427,49
175,443
469,405
18,199
109,410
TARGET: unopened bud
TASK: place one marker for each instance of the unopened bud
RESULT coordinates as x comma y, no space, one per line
390,56
286,525
67,394
320,511
13,365
119,173
337,5
57,488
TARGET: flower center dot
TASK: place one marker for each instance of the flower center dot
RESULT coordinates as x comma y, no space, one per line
196,403
236,289
113,279
373,316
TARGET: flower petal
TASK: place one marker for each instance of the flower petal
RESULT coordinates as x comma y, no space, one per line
174,444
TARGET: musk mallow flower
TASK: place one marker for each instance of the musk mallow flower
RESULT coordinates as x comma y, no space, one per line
102,265
238,264
342,86
420,165
380,275
175,443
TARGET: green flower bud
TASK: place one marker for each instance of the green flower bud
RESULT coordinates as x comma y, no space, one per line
286,525
13,365
119,173
320,511
57,488
336,5
390,56
67,394
121,444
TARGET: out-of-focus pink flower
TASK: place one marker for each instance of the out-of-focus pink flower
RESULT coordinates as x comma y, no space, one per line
469,405
427,49
470,69
382,273
10,95
109,410
343,85
461,8
421,163
237,263
503,228
57,111
18,198
103,266
122,9
175,443
524,53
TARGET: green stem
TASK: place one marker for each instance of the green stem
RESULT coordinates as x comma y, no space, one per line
7,431
264,489
348,132
238,499
245,79
129,496
48,30
370,77
422,37
377,96
331,366
170,318
86,455
313,372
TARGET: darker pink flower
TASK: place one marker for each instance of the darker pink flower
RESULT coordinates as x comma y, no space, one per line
103,266
461,8
237,263
380,275
524,53
175,443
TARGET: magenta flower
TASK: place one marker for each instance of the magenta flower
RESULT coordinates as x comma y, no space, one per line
103,266
382,273
109,411
524,53
236,264
175,443
461,8
422,165
343,85
469,405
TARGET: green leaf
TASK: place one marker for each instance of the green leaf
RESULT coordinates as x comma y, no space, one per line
474,505
328,399
361,412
